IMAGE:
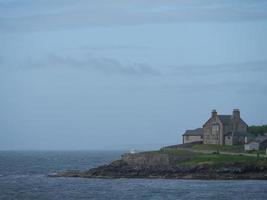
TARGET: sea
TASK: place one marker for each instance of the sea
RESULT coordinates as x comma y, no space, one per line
24,175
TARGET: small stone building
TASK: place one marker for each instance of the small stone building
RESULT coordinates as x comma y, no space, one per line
191,136
259,143
225,129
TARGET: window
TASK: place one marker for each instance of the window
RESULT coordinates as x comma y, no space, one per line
215,128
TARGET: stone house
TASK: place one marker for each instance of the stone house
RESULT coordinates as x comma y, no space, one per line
225,129
191,136
220,130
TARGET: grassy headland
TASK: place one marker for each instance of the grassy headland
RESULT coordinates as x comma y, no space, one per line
182,162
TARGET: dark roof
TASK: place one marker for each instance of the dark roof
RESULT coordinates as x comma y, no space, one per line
239,134
196,132
225,119
260,139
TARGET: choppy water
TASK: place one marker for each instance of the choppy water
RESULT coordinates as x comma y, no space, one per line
23,175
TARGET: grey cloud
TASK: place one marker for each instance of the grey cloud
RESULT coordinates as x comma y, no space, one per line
125,13
246,77
98,64
252,66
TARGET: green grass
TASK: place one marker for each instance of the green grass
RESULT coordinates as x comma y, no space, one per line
212,159
221,160
175,152
225,148
191,159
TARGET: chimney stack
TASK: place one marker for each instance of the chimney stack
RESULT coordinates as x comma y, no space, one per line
236,114
213,113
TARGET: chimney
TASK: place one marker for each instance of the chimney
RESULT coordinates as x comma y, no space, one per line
236,114
213,113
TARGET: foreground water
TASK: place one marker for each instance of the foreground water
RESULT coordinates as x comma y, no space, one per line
23,175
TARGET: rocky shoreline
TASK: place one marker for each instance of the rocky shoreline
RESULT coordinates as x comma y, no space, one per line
121,169
175,163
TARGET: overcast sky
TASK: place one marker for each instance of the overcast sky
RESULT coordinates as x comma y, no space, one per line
122,74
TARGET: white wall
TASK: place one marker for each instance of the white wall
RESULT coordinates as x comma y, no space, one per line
252,146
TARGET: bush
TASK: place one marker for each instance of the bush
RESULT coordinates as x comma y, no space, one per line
257,130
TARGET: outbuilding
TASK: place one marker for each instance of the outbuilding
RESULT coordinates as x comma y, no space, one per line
259,143
191,136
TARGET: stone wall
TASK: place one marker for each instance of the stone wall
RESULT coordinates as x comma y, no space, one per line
239,140
154,158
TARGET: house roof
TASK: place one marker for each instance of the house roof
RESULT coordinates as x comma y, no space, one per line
260,139
225,119
195,132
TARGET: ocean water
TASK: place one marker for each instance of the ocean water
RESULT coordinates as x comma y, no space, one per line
23,175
